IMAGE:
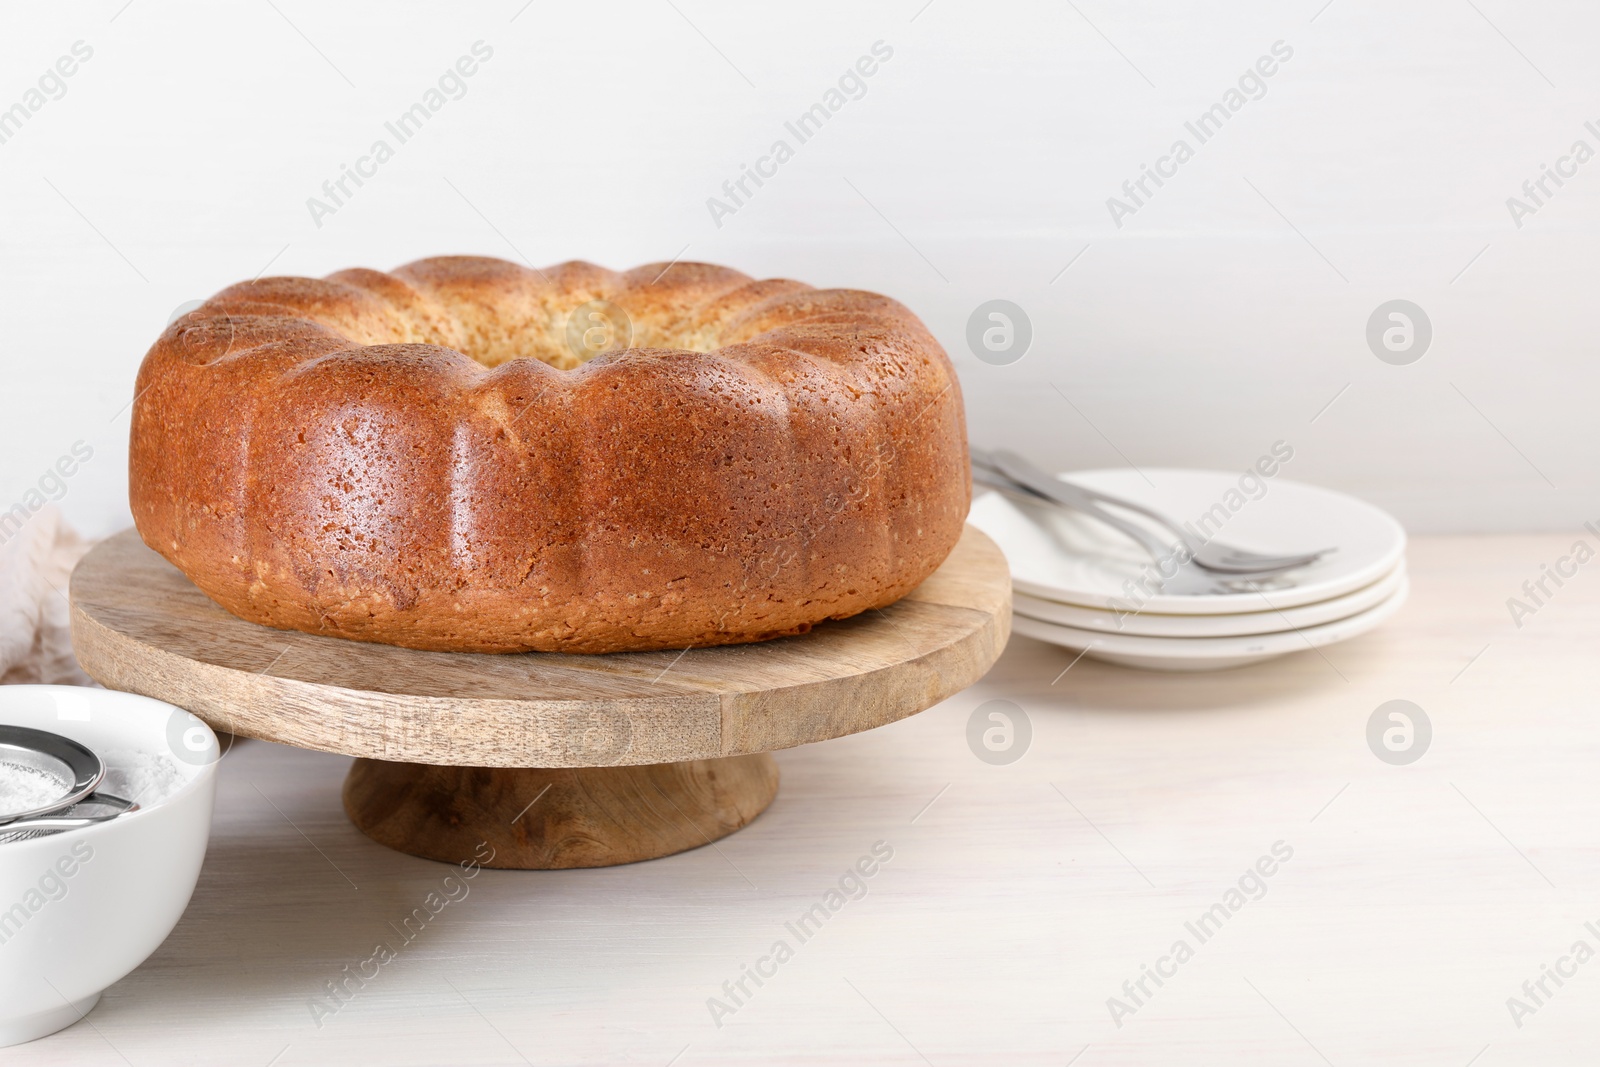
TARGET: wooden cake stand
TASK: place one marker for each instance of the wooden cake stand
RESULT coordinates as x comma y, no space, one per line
551,760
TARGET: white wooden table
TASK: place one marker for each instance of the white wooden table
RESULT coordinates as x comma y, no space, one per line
1019,898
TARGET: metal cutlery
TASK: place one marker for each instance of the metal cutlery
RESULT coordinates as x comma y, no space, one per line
1211,555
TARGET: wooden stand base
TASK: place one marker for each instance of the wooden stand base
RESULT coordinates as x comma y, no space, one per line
644,753
554,819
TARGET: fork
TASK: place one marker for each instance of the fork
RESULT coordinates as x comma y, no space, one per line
1187,579
1211,555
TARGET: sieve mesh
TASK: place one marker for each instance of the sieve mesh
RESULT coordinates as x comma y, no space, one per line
29,781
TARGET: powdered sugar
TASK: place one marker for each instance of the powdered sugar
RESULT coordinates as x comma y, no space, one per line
27,788
146,778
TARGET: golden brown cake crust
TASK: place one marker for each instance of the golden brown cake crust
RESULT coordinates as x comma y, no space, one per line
375,456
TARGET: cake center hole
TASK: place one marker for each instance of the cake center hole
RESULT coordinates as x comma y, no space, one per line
569,338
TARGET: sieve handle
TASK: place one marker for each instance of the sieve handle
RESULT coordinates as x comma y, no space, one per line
74,822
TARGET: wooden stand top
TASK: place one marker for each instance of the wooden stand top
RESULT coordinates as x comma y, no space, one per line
139,625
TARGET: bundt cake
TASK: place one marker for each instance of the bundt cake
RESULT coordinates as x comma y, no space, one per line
470,455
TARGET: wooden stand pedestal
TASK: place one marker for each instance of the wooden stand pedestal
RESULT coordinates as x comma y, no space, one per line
636,754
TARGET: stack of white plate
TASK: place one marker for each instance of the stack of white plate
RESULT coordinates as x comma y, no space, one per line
1082,585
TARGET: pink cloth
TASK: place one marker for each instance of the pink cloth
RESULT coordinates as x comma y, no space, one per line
35,631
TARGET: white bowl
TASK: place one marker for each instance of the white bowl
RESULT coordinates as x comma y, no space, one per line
81,909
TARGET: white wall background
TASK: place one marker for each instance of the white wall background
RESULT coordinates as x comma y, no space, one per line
977,165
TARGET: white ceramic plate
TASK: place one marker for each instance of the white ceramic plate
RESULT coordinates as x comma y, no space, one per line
1206,653
1267,621
1059,555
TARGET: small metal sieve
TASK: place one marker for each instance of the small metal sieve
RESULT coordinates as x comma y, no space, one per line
48,783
